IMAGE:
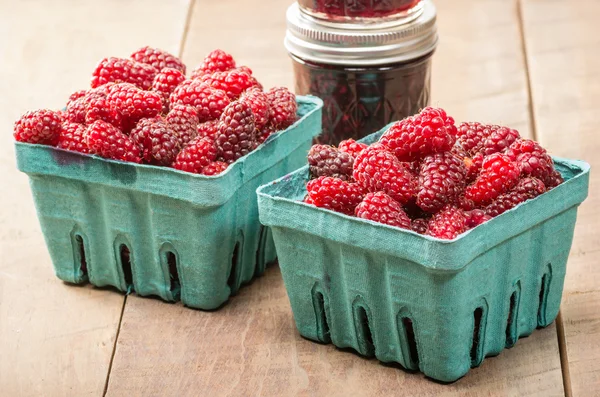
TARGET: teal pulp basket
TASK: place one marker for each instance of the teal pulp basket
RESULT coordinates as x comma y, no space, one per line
159,231
432,305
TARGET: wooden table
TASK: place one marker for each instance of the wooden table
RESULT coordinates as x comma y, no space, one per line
532,64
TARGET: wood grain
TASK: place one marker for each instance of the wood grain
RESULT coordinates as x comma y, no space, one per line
563,50
57,340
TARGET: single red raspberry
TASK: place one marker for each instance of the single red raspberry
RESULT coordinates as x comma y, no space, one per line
419,225
380,207
376,169
526,189
283,107
120,70
324,160
158,58
266,132
447,224
76,95
442,179
72,137
475,218
430,131
98,108
232,82
215,61
214,168
498,175
76,110
335,194
499,139
183,120
208,129
40,126
209,101
553,180
159,143
107,141
165,83
532,158
351,147
196,155
236,134
472,136
132,103
259,103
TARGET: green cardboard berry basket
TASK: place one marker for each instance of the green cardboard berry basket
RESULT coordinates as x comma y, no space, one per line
159,231
432,305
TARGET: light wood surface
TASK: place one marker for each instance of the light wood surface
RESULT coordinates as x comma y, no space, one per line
563,51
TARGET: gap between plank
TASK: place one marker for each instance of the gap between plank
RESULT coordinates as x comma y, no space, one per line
564,358
532,123
114,350
186,28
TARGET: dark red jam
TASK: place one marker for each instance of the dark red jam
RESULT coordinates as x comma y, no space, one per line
361,100
330,9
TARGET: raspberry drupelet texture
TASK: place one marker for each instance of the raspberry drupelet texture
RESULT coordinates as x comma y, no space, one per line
334,194
40,126
498,175
72,137
208,101
283,107
165,83
107,141
419,225
132,103
499,139
351,147
215,61
442,179
526,189
378,170
475,218
259,103
99,109
380,207
158,58
324,160
208,129
428,132
196,155
183,120
159,143
76,95
236,132
120,70
471,137
214,168
447,223
553,180
532,158
232,82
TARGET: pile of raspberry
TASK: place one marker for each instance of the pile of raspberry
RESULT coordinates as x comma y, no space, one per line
427,175
143,109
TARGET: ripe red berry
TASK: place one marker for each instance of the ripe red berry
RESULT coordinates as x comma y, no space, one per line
120,70
472,136
76,95
447,223
378,170
380,207
98,108
526,189
419,225
107,141
498,175
265,132
334,194
351,147
40,126
475,218
208,129
442,179
72,137
165,83
232,82
132,103
214,168
159,143
324,160
158,58
283,107
196,155
215,61
553,180
430,131
499,139
236,133
208,101
259,103
183,120
532,158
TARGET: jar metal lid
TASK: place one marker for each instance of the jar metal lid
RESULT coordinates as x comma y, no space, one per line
311,39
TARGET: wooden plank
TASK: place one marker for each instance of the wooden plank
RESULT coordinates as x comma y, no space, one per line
563,52
55,339
251,346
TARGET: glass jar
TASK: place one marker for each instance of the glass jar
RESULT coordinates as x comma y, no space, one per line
368,76
363,10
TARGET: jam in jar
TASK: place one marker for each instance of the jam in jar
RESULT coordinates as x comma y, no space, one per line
347,10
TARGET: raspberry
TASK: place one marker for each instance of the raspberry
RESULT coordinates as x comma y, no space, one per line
259,103
308,200
233,82
183,120
498,175
165,83
99,109
430,131
266,132
351,147
326,160
72,137
447,224
475,218
283,107
236,133
380,207
215,61
209,101
208,129
120,70
195,156
107,141
533,160
499,139
472,136
334,194
132,103
158,58
40,126
214,168
553,180
419,225
76,95
526,189
441,180
376,169
159,143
